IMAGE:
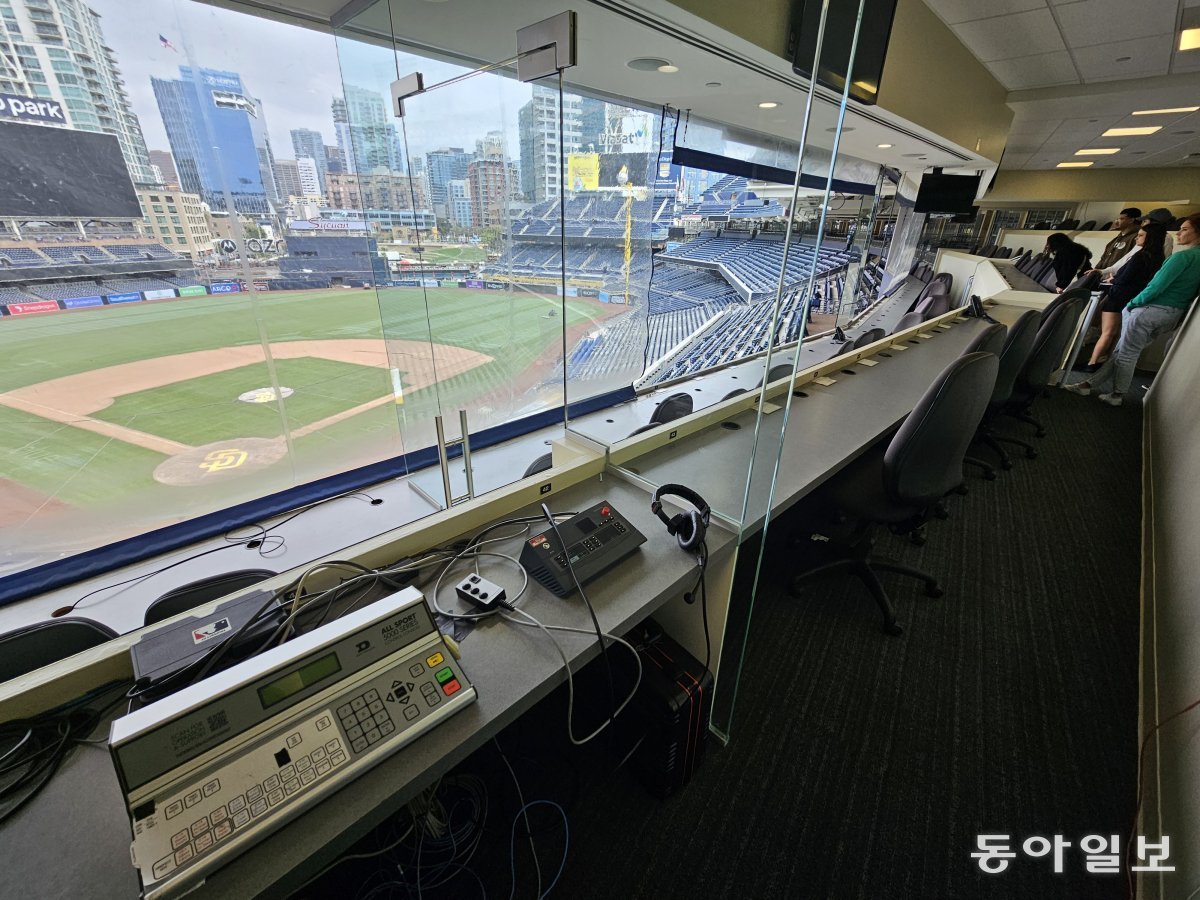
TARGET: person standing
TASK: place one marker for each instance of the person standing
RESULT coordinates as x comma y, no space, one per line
1127,230
1069,257
1130,281
1160,216
1155,310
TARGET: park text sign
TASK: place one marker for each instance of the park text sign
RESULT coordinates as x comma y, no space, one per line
15,107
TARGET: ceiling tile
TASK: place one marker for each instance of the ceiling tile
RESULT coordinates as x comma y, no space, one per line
955,11
1006,37
1151,56
1041,70
1103,22
1188,61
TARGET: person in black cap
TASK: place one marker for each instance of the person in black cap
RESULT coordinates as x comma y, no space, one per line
1127,229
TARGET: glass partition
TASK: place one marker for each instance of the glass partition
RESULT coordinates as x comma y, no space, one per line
206,332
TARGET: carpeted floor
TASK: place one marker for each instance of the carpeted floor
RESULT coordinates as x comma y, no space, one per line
864,766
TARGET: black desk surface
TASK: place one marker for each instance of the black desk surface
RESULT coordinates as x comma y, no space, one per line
73,840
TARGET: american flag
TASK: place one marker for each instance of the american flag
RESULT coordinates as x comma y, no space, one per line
162,39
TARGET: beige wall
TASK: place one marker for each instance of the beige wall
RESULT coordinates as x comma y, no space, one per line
1055,185
767,27
948,91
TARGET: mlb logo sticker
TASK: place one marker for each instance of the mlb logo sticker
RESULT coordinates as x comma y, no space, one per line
210,631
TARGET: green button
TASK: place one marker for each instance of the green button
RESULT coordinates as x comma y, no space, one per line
444,675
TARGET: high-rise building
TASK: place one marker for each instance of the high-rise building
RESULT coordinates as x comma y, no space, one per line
441,167
458,202
333,159
381,190
365,134
176,220
311,183
287,179
492,183
541,151
311,144
235,157
55,50
165,164
593,117
491,145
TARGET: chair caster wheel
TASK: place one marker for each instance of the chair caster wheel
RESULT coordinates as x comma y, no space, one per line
892,628
932,590
1006,465
989,475
1031,454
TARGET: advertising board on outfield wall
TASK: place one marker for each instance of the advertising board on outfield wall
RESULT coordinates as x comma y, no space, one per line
37,306
193,290
225,287
79,302
159,294
131,297
473,283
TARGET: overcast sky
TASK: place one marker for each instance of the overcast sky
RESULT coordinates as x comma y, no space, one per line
295,73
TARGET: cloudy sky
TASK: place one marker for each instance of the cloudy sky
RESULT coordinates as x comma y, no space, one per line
295,73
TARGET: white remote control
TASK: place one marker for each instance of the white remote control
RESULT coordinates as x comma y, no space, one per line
478,591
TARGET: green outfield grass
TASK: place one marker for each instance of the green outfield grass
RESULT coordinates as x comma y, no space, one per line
439,255
206,409
86,469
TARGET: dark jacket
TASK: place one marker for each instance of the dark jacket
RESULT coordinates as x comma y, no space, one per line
1131,280
1067,262
1118,247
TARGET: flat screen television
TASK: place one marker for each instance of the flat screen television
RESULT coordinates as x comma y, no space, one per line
872,47
947,194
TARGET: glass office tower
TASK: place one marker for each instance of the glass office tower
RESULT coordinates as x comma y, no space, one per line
237,161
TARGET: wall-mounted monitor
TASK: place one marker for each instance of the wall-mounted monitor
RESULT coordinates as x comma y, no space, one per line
873,38
947,194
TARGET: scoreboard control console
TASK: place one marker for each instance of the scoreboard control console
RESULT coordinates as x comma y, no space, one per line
217,766
596,539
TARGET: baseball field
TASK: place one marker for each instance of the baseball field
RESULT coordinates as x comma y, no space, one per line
160,411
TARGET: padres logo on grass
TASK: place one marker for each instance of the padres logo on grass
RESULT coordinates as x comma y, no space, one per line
264,395
233,458
230,458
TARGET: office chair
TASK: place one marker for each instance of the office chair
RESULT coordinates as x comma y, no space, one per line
191,595
841,348
541,464
932,289
1013,355
673,407
1065,297
1048,278
870,336
1049,345
735,392
782,370
933,306
908,320
1089,225
898,485
33,646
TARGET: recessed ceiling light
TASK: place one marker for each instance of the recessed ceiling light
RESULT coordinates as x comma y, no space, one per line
1073,165
1131,132
1189,39
648,63
1165,112
1098,151
768,104
712,84
884,146
668,69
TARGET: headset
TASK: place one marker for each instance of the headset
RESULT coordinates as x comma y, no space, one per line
688,527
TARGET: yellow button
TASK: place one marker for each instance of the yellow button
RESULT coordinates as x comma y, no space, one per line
435,660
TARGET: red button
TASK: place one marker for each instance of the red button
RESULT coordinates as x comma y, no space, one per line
451,687
604,510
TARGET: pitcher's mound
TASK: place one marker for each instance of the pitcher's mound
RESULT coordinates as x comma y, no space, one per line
221,461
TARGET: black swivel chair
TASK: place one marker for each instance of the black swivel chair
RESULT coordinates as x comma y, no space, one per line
1013,355
673,407
191,595
899,485
734,393
1065,297
776,372
908,320
1049,345
25,649
933,306
541,464
870,336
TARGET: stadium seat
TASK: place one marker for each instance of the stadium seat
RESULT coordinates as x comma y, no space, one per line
33,646
203,590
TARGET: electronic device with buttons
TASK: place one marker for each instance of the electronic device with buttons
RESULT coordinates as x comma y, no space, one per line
596,539
210,770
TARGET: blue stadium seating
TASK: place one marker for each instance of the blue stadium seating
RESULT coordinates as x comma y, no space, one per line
16,295
63,253
139,251
22,257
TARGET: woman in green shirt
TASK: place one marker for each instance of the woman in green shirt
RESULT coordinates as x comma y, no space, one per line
1159,308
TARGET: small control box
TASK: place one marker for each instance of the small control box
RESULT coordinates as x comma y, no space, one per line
596,539
478,591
